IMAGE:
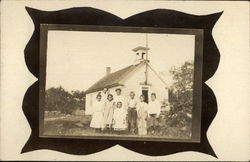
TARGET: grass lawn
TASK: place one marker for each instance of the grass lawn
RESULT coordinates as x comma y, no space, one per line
74,125
68,126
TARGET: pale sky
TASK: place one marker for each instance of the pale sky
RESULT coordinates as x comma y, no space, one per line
77,59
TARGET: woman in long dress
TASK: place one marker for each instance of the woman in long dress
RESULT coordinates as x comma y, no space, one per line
119,118
108,112
97,115
104,93
142,115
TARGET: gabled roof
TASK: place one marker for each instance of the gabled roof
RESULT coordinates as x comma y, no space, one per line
112,79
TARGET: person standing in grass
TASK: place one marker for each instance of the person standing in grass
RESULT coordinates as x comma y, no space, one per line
97,115
104,93
132,113
142,115
119,118
108,112
118,97
154,110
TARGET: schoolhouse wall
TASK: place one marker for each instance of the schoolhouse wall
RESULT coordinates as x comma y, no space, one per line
87,104
132,83
91,98
157,86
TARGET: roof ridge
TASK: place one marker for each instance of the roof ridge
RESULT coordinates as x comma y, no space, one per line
111,79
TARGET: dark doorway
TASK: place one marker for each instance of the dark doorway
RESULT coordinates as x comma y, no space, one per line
145,94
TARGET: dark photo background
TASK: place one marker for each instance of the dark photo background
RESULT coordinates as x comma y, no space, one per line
164,19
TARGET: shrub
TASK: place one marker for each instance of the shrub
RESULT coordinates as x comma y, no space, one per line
58,99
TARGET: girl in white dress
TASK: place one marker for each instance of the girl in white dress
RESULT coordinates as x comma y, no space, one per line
142,115
108,112
119,117
97,115
104,93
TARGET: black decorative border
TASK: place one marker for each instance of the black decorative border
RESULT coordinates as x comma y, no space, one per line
154,18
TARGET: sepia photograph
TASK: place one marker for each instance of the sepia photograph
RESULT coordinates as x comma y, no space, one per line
123,83
124,80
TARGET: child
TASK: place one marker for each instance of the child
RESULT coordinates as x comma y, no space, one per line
142,116
108,112
104,93
154,110
132,113
119,118
97,115
118,97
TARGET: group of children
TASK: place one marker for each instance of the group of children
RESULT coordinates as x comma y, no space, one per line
114,113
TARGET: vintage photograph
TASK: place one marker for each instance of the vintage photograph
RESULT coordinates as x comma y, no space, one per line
115,84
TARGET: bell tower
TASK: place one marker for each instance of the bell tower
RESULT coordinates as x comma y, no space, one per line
141,53
142,57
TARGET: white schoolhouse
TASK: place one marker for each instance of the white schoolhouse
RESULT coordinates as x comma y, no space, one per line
139,77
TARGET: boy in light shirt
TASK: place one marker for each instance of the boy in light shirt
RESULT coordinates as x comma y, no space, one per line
132,113
154,110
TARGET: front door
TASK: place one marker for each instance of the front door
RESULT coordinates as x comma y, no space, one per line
145,94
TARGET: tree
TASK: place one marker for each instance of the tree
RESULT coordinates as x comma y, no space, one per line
181,94
61,100
79,97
